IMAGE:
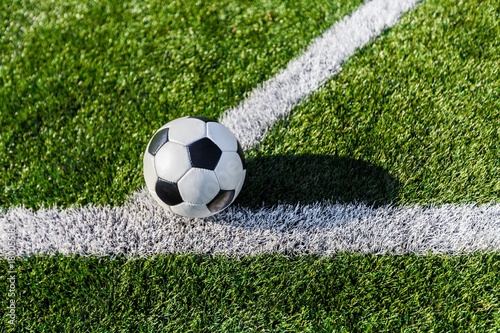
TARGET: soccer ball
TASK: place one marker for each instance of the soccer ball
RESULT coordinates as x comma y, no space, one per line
194,167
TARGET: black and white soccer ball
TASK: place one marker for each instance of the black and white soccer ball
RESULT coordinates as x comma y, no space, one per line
194,167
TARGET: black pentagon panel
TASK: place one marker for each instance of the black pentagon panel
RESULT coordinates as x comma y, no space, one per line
204,154
242,156
221,201
205,119
158,140
168,192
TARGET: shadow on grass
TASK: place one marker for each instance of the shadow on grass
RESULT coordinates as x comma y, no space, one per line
305,179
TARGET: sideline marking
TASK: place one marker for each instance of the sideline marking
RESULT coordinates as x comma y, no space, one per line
141,228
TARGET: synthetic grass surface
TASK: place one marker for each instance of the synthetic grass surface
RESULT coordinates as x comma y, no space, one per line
413,119
85,84
190,293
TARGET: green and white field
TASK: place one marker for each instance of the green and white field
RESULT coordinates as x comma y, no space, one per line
411,120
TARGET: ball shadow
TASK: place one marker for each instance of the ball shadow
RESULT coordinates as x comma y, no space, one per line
306,179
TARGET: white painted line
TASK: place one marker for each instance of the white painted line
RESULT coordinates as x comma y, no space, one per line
141,228
321,60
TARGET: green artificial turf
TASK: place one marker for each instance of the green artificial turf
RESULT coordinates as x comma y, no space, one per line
415,116
412,118
85,84
190,293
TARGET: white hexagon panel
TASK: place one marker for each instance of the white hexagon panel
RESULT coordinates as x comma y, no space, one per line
187,130
191,210
199,186
229,170
222,136
172,161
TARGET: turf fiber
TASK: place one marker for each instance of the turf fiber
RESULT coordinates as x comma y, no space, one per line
190,293
85,84
413,118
